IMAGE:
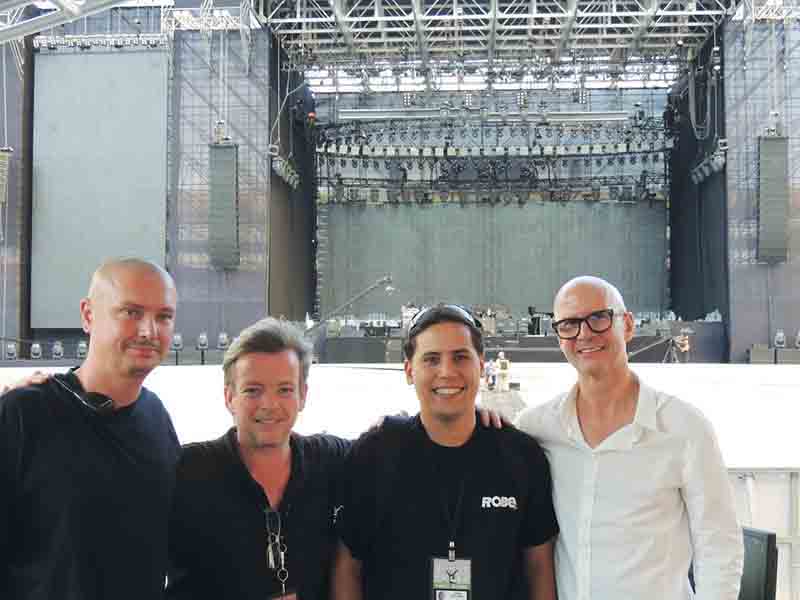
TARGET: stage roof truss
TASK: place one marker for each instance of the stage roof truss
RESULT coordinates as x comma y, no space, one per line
512,35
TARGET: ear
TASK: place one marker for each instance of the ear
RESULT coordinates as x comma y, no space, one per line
229,398
86,315
482,360
409,372
629,326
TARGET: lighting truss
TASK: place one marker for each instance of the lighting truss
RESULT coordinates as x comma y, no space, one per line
54,43
54,13
619,188
502,38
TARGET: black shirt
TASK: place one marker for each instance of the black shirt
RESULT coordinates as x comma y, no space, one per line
218,531
84,498
397,484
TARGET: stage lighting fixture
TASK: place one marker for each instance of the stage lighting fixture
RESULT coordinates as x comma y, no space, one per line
717,161
58,350
780,339
82,349
11,351
223,341
36,351
177,342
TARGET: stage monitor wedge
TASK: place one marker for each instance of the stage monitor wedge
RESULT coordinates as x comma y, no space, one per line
760,574
223,206
773,199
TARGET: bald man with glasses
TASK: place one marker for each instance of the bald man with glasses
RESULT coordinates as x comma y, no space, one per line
639,486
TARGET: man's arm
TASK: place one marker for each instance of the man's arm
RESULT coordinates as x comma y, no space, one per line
11,447
540,573
716,534
346,580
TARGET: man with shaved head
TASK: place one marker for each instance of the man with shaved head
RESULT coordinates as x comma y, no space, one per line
87,458
639,486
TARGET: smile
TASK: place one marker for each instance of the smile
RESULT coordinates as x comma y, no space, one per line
144,349
590,350
268,421
447,391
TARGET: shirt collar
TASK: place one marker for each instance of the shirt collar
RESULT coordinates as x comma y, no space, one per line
644,418
646,407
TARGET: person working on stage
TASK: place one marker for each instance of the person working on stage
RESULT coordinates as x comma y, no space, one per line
640,488
440,506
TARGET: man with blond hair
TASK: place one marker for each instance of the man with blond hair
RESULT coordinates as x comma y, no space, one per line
253,510
639,486
87,458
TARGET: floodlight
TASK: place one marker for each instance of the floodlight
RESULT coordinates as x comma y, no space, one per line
223,341
177,342
202,341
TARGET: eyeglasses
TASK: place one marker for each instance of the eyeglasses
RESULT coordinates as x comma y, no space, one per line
599,321
97,403
460,312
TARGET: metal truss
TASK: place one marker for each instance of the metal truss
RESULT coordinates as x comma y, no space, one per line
615,188
488,34
8,18
59,13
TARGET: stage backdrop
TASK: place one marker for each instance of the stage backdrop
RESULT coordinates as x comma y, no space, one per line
481,253
99,171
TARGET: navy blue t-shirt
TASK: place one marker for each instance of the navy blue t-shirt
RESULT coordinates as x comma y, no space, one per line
84,497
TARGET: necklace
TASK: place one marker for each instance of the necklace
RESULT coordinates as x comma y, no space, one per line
276,547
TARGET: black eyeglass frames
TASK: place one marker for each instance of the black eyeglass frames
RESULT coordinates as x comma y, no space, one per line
599,321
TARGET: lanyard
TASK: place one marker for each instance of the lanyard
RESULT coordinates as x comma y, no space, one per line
452,519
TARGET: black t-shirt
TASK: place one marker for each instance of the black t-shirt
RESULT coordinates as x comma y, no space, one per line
84,498
218,530
396,485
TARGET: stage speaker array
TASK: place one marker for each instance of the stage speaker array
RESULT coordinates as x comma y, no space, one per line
773,199
223,205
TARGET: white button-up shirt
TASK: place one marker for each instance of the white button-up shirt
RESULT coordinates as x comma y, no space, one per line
639,508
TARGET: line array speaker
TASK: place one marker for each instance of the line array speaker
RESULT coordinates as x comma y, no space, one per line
773,199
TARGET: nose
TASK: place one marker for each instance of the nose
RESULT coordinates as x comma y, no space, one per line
147,326
446,366
268,401
585,333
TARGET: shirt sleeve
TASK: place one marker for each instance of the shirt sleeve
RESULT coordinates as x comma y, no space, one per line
718,549
11,445
356,510
183,582
539,522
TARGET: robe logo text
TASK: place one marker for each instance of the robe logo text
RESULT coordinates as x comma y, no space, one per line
499,502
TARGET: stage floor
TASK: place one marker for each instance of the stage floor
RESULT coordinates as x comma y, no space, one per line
755,409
